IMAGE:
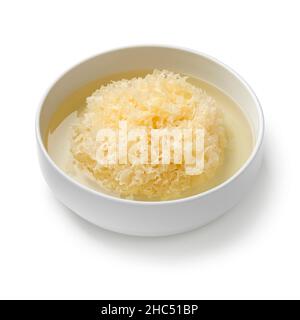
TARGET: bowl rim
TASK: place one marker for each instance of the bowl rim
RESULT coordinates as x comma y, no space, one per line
255,150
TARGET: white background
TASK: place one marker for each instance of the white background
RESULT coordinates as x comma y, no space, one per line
46,251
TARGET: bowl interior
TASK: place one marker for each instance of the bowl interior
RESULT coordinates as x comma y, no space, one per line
143,58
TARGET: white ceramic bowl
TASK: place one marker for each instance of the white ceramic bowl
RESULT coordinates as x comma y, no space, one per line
151,218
